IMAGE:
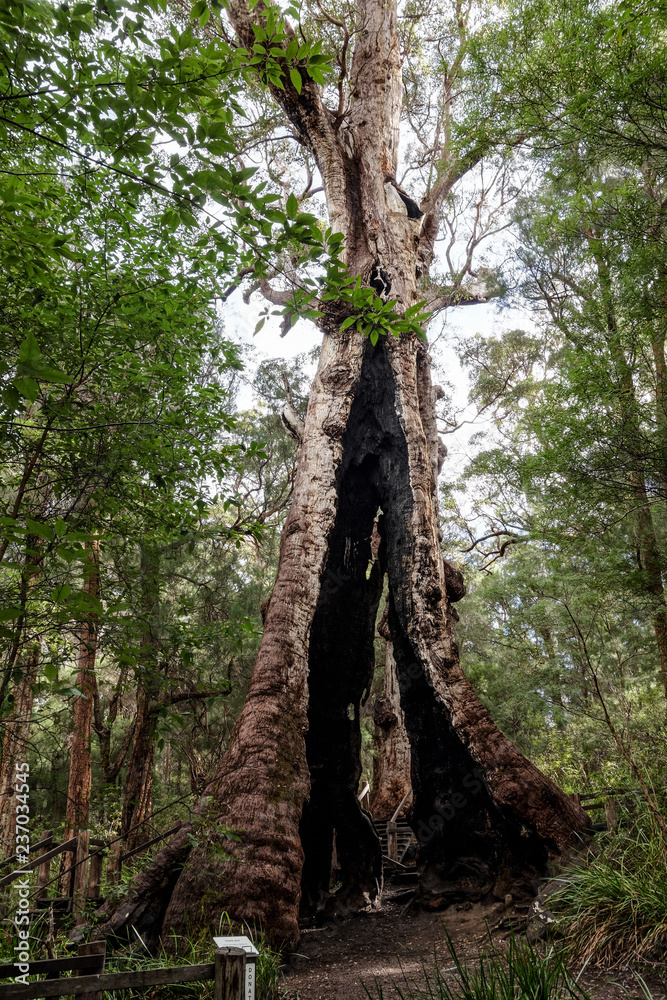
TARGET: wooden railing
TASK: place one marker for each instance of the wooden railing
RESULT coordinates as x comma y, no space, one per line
607,800
88,854
227,971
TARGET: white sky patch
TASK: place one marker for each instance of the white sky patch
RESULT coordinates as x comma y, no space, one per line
485,318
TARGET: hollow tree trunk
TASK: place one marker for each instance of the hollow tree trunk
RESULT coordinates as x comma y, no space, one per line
484,815
77,813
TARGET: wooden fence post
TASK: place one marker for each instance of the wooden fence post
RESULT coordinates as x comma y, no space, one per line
114,863
93,948
44,870
229,974
95,874
80,880
392,841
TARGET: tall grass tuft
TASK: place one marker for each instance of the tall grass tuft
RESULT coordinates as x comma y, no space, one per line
612,908
521,972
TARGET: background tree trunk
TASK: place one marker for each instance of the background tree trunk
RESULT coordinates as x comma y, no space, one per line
24,655
391,775
17,735
138,789
368,456
80,770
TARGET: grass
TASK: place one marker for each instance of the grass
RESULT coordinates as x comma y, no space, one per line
522,972
612,908
182,951
187,952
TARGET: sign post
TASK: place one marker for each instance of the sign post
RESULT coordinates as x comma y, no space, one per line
250,962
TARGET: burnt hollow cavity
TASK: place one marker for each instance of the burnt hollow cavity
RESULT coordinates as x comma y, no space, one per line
467,847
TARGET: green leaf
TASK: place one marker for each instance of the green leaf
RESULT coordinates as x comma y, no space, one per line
350,321
29,349
292,206
61,594
41,530
50,671
27,387
295,77
8,614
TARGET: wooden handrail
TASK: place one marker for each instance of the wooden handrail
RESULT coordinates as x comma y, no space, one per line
72,964
37,847
69,845
400,805
364,791
228,972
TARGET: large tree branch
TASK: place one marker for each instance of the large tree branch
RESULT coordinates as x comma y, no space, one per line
314,123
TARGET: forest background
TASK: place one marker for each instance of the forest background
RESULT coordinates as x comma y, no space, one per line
142,184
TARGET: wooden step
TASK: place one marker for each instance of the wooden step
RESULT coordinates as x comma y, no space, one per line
404,837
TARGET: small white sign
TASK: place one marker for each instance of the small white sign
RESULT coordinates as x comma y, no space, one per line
250,962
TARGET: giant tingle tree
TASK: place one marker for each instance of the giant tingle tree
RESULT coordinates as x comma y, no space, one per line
486,819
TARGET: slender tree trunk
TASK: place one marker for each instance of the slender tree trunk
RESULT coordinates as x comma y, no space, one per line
24,654
77,814
104,728
486,818
15,745
652,572
138,789
651,559
391,776
660,369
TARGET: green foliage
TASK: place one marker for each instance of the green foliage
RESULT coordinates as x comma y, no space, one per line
612,907
373,317
199,951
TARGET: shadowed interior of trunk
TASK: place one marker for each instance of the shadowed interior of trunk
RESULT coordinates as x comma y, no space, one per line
467,847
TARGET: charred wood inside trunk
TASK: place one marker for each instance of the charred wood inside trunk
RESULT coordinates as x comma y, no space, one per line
341,663
468,845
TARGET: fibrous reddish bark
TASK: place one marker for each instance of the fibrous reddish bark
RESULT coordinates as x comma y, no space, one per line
14,747
368,456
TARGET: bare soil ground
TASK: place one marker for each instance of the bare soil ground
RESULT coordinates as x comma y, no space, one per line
388,946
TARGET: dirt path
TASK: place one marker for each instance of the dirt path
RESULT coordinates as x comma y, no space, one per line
385,947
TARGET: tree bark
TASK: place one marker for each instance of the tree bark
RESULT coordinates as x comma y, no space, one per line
138,788
79,786
485,817
24,654
14,748
630,414
391,774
